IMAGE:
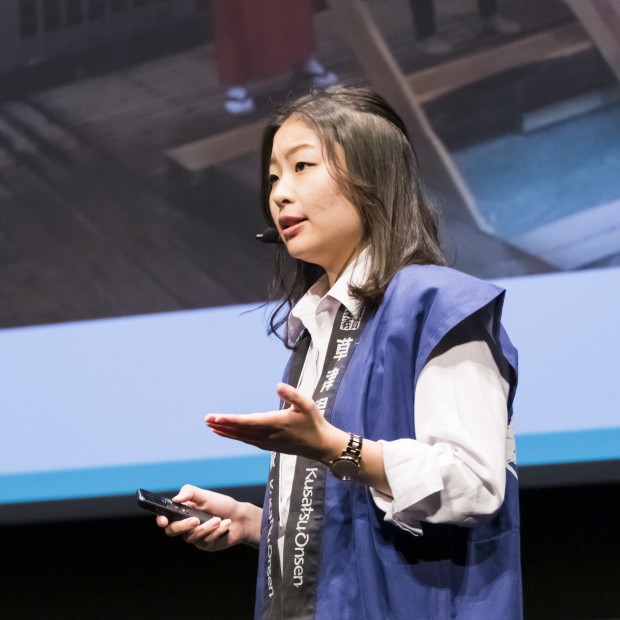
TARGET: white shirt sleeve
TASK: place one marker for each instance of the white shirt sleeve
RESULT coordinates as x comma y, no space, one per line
455,471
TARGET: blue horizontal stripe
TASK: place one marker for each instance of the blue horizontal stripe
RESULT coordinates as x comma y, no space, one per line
124,480
534,449
568,447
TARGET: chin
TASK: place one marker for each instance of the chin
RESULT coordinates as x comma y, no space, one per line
296,248
302,253
302,247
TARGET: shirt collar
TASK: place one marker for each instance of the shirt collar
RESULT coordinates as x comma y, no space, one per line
356,274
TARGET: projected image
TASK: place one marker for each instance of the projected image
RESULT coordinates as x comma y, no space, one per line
129,177
129,131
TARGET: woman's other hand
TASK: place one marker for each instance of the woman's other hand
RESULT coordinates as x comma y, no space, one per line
233,522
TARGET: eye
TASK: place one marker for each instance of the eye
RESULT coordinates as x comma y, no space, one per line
272,179
301,165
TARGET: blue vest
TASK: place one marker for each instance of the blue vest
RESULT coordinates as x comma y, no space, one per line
373,570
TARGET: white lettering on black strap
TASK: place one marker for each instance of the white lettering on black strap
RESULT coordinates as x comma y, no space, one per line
269,537
295,586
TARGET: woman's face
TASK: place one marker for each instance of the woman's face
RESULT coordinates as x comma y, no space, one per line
317,222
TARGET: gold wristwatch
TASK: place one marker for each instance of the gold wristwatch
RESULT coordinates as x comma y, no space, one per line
347,466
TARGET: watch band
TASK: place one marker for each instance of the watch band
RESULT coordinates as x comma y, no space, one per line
347,466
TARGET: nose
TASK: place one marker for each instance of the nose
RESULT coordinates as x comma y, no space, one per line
282,193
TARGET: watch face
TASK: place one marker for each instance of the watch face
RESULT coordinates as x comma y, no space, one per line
345,469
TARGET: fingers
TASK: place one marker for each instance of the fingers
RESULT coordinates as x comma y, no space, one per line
209,536
253,433
189,493
270,419
176,528
212,535
295,398
201,535
217,539
238,436
253,420
162,521
253,429
207,532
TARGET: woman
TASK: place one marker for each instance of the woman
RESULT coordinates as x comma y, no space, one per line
401,383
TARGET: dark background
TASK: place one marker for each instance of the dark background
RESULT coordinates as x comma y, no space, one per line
128,568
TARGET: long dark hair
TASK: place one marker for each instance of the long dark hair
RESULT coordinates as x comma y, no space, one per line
379,175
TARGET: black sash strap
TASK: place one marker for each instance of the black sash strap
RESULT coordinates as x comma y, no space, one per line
291,592
272,606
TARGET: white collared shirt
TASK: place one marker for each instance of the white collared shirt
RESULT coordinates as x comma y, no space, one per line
455,471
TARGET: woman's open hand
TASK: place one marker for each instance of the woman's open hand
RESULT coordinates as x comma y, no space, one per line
297,429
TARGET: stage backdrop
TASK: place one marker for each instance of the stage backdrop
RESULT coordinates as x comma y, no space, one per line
129,270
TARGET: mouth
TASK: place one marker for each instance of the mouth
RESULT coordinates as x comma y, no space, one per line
289,224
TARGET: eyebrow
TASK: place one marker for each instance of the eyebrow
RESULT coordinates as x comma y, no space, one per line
293,150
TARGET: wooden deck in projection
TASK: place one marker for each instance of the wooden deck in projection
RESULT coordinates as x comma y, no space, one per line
88,225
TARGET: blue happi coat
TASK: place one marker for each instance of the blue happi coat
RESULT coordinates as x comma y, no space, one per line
370,569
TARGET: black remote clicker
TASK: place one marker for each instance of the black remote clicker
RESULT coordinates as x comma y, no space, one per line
162,505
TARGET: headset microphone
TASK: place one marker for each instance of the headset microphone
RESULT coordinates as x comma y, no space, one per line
269,235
